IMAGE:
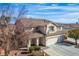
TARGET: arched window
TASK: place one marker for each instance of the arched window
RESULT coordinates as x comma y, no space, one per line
51,29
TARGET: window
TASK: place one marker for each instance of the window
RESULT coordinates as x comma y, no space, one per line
51,29
37,28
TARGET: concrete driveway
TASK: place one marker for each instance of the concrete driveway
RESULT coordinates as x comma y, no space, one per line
62,49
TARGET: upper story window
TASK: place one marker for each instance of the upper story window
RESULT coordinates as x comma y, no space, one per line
38,28
51,29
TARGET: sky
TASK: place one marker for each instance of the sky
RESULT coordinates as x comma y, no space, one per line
56,12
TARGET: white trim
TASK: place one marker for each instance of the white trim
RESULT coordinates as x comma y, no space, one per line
37,41
50,24
29,43
53,36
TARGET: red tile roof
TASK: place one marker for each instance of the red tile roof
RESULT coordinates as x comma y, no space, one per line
30,35
72,25
33,22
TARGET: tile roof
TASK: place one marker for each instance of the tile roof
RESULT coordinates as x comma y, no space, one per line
72,25
27,22
31,35
36,35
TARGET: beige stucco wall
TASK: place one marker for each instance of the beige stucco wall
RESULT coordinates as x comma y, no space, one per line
59,29
50,24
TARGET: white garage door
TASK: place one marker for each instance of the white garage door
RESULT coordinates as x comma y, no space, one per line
53,39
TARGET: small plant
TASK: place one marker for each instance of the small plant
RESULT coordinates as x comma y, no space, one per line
37,48
31,49
34,48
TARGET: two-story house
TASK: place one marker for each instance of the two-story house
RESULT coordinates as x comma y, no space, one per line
37,32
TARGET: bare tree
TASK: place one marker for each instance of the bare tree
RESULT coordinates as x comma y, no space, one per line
22,11
6,16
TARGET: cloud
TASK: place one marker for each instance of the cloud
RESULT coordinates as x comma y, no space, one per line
72,4
54,4
74,15
55,12
49,7
67,8
49,13
71,8
62,20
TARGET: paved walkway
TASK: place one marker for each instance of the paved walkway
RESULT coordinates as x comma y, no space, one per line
62,50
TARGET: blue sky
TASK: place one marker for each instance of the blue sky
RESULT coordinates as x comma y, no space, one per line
56,12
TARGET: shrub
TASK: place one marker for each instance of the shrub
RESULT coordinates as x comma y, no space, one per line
37,48
34,48
74,34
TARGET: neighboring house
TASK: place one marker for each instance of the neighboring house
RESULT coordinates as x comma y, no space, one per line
70,26
37,32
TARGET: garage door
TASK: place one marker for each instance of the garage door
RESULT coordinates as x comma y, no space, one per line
54,39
